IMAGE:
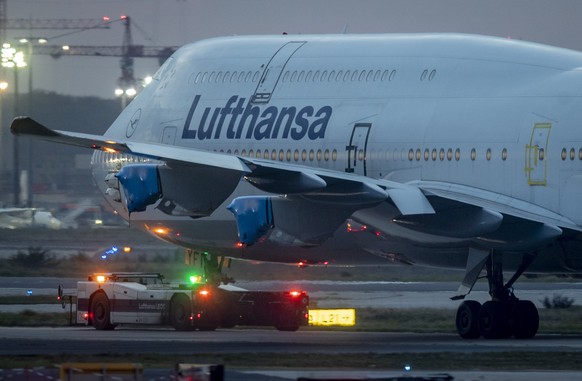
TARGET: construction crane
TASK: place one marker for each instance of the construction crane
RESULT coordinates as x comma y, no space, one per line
127,51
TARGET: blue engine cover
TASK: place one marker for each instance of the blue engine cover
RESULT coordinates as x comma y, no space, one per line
254,217
141,185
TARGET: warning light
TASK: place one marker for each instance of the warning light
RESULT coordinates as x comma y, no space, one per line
239,245
195,279
106,18
204,292
85,316
127,249
100,278
294,293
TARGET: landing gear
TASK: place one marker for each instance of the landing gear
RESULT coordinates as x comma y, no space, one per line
210,265
505,315
467,319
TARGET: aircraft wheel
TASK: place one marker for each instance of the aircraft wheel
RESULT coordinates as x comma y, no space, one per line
180,312
526,319
101,312
467,321
493,321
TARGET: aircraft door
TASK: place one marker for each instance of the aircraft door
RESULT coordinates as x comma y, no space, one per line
273,71
357,149
535,154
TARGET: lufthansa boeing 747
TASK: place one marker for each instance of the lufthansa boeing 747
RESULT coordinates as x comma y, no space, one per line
443,150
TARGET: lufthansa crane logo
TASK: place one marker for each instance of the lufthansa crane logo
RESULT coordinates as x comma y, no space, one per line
133,122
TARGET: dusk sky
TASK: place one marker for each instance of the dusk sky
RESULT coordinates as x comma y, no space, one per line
176,22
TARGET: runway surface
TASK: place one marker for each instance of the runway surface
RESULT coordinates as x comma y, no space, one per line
87,340
166,341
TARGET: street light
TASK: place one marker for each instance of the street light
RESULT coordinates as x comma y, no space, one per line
11,58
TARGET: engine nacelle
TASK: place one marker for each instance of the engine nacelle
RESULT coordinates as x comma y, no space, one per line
254,217
141,185
286,220
184,190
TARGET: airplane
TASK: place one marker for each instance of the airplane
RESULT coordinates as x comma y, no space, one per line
443,150
18,218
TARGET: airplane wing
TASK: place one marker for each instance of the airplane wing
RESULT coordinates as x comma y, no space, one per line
315,184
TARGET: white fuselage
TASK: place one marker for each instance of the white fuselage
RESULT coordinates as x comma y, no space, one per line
498,116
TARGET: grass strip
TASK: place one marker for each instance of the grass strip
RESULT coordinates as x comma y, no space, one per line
418,320
490,361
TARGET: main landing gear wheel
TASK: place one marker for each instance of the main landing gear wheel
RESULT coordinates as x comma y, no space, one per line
493,321
101,312
467,319
526,319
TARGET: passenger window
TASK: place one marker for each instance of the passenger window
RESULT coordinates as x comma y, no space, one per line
311,155
347,76
334,155
326,155
362,75
319,155
296,155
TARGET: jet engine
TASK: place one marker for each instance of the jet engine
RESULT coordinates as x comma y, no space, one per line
180,190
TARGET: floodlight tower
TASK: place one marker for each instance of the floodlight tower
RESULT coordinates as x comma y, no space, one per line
127,83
